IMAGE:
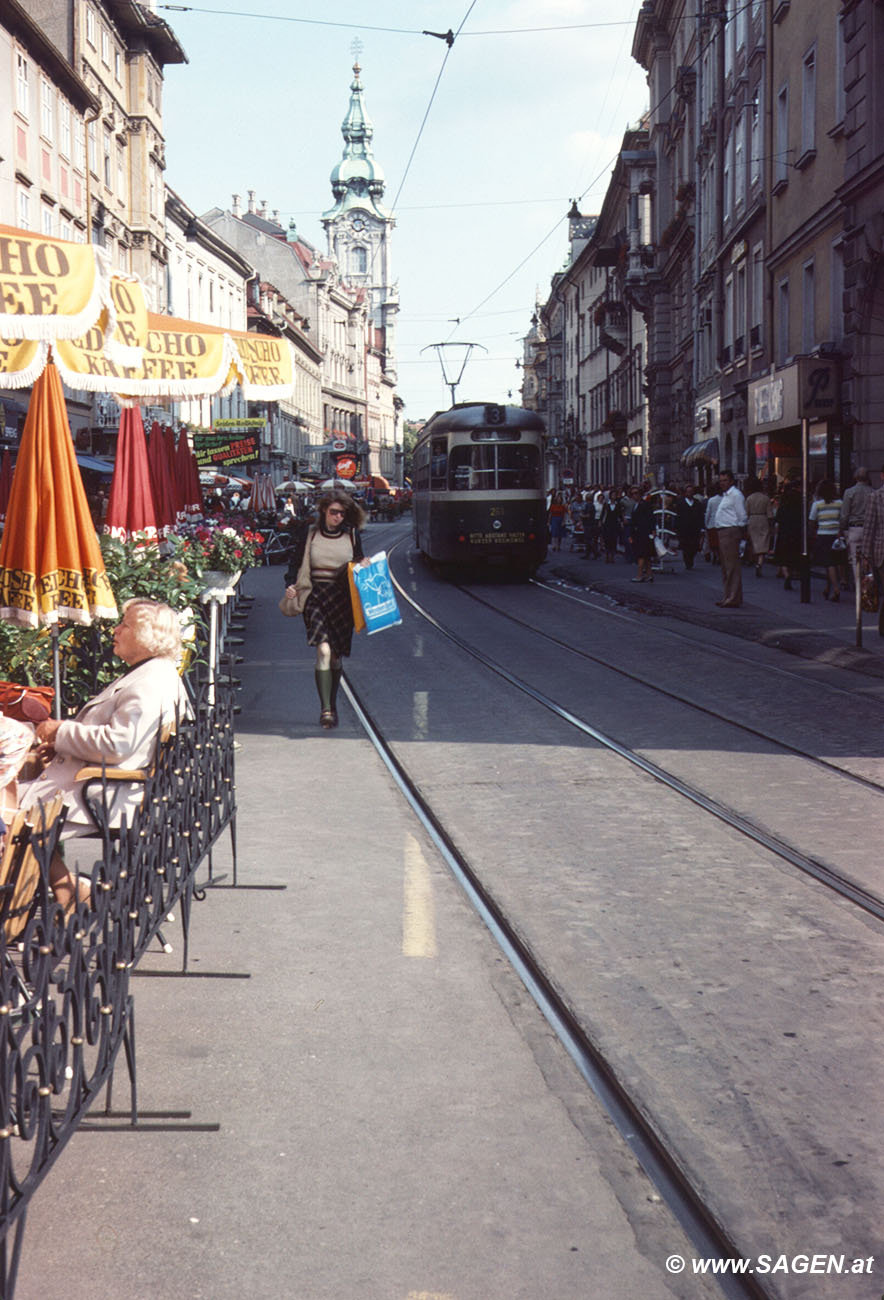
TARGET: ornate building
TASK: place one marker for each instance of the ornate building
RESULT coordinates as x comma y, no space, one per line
359,231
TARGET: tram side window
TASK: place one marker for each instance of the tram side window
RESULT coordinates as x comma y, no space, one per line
518,467
438,464
471,469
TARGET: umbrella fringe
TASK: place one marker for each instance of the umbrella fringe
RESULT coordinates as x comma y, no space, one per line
29,376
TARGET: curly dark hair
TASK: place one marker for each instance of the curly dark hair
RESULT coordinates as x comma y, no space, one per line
354,515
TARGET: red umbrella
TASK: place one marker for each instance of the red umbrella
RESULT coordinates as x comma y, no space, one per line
5,483
178,493
130,509
187,477
161,482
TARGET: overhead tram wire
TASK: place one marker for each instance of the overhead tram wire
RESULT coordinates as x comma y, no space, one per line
398,31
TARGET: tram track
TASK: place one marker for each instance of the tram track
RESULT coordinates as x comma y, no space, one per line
830,878
756,732
661,1164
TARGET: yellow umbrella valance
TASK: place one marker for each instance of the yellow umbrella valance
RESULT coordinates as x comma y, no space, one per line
51,288
266,366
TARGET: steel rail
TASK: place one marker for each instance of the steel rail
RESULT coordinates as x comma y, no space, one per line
812,867
824,763
661,1166
718,650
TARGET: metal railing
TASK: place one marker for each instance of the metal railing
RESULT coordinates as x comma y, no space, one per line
66,1008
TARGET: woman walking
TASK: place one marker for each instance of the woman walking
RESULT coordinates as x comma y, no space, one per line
641,535
825,521
556,520
760,512
317,578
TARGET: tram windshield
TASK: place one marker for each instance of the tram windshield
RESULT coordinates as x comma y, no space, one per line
486,467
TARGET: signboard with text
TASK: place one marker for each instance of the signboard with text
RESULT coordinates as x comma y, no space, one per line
235,445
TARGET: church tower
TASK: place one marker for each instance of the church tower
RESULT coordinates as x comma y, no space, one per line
359,227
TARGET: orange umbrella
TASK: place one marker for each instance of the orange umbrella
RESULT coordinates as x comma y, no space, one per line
161,482
5,482
130,508
51,567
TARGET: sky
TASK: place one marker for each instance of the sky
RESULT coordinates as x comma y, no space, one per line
483,146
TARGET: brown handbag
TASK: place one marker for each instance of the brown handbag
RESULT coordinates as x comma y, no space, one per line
26,703
292,606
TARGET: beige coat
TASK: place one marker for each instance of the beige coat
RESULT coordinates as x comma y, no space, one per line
118,727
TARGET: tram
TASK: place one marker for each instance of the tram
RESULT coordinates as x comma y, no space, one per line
477,483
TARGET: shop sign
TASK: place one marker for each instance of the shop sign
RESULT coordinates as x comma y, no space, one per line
768,402
345,467
819,388
215,450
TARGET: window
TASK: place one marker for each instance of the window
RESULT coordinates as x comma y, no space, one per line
727,177
24,209
438,464
808,103
808,307
22,85
360,260
105,47
64,128
93,148
740,163
47,109
483,467
47,222
840,60
90,26
756,337
118,65
106,169
121,170
728,339
740,311
782,321
837,310
65,229
755,145
471,469
80,144
781,146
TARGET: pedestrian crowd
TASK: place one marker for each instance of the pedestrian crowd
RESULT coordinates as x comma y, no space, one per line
736,526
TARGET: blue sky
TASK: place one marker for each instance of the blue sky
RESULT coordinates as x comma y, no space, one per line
522,122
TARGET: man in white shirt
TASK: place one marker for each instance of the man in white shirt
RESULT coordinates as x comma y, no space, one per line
730,524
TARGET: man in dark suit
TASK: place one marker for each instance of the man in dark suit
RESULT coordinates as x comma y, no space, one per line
872,545
690,513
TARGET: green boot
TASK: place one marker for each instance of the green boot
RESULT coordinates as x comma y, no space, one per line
325,688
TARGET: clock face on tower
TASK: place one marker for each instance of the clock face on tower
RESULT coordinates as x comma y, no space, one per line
358,224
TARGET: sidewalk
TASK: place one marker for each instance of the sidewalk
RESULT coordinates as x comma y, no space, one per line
820,630
394,1119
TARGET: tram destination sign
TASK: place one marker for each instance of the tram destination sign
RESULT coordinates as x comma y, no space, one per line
487,539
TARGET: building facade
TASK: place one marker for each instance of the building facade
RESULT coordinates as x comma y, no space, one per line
761,292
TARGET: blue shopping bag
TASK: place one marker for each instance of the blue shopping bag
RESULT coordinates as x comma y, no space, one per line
376,595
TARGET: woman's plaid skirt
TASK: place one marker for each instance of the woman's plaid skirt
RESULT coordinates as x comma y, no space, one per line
328,615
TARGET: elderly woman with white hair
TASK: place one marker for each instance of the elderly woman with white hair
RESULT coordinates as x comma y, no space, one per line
118,727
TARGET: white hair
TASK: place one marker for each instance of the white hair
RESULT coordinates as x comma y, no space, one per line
156,627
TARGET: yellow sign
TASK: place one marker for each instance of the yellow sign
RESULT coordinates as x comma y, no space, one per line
50,288
266,369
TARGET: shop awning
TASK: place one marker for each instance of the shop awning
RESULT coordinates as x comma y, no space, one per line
702,453
96,463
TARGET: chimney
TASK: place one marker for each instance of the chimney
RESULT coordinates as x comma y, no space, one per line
237,210
262,211
275,215
251,194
